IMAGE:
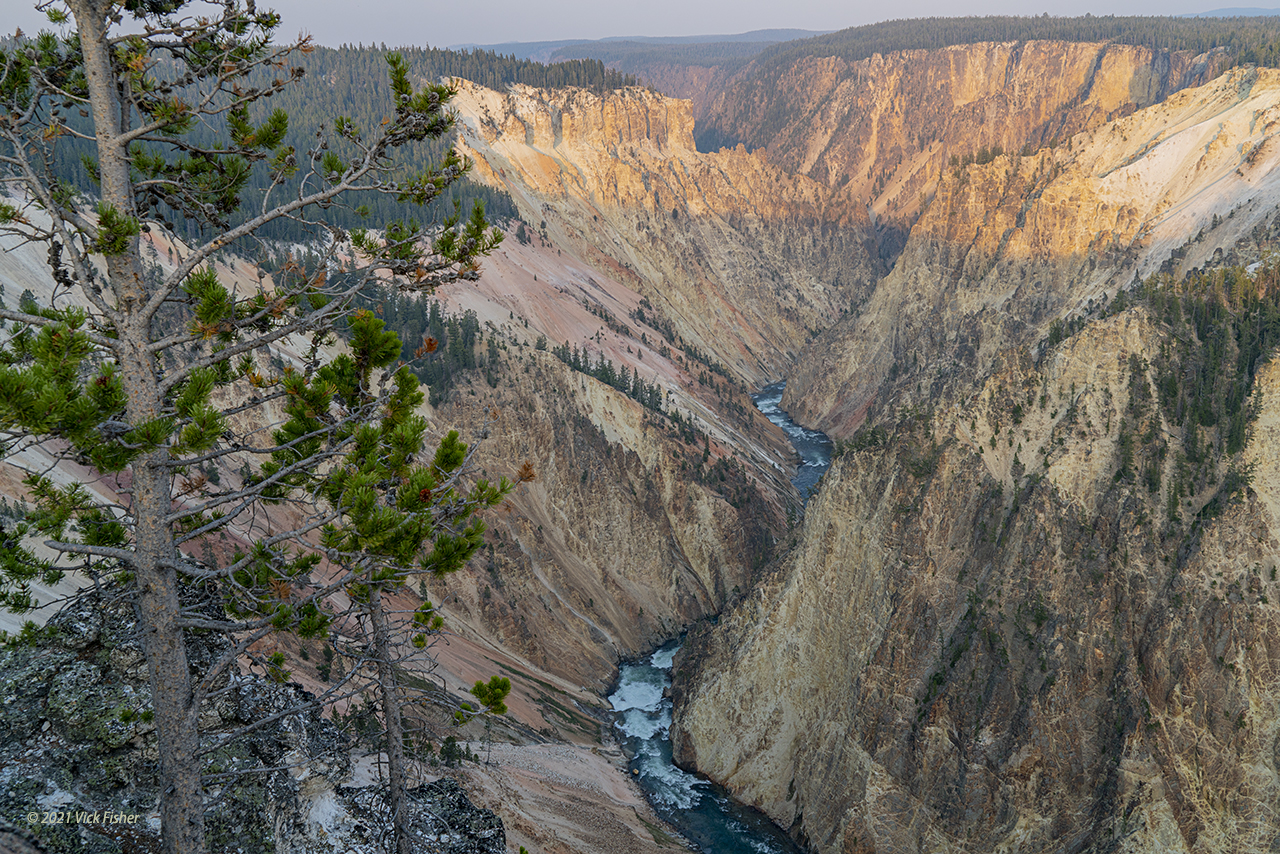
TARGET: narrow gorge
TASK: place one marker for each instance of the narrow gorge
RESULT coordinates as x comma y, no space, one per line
1019,297
985,634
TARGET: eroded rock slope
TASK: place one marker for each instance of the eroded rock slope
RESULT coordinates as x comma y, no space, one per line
742,259
992,633
1007,248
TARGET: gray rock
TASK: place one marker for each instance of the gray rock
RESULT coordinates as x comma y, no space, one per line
76,741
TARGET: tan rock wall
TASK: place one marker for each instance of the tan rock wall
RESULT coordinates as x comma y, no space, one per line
617,545
886,126
744,259
1007,248
968,652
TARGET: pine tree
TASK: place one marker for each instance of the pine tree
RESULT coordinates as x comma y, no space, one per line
129,368
491,700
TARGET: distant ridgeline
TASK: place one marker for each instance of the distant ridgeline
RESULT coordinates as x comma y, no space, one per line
1253,39
630,54
1247,40
352,82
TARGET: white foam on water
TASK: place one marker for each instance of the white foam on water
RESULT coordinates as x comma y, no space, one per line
638,693
639,724
744,833
667,784
662,658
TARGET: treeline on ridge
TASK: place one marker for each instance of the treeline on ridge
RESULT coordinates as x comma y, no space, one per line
636,55
632,385
352,81
436,346
1247,40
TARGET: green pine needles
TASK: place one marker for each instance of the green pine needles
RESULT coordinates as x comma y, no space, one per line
216,413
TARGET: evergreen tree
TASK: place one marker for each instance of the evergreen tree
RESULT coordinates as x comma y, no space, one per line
128,369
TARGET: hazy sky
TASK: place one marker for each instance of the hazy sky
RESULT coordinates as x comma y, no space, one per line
403,22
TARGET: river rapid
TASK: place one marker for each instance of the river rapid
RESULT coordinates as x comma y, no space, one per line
703,812
813,447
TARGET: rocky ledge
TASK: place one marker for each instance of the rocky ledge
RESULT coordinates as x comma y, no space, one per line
78,757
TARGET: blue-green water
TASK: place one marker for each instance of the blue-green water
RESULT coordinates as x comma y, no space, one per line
702,811
813,447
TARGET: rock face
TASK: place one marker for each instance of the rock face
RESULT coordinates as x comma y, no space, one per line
625,537
886,127
964,653
76,740
742,259
1007,248
988,636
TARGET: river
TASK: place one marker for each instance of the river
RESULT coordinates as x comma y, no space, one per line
705,813
813,447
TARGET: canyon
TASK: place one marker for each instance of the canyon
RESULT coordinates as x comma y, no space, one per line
978,635
920,671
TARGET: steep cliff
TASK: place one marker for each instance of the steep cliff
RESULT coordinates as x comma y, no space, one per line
886,128
977,646
743,260
626,536
1007,248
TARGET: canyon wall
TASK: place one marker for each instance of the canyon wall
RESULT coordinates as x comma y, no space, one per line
744,260
886,127
1005,249
624,539
984,636
977,647
988,636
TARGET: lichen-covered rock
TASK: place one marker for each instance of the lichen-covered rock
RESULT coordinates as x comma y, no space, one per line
447,822
78,757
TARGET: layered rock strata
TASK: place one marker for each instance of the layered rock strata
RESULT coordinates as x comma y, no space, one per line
988,636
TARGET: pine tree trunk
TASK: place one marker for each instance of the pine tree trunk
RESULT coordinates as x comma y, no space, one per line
157,607
181,796
391,718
